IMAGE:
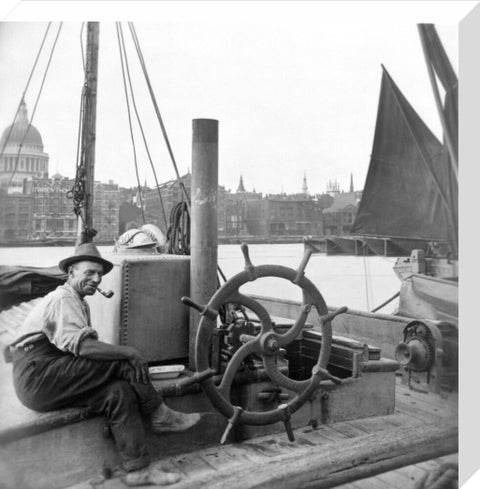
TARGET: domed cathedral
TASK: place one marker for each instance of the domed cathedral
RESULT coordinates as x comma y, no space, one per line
25,144
22,161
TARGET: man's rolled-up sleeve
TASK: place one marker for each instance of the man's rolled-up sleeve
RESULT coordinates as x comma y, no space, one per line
67,326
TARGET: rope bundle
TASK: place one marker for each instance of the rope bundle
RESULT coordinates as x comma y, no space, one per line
178,234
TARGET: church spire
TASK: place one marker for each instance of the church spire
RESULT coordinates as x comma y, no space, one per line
241,187
351,183
22,116
305,186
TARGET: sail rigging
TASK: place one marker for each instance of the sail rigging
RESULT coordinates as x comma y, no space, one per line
411,189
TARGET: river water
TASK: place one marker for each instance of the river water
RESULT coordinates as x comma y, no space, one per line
357,282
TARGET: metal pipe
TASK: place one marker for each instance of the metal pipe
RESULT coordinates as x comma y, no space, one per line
203,255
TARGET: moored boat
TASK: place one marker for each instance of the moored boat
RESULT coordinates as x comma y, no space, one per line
350,394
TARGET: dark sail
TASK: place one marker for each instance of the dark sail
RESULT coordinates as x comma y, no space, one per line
408,191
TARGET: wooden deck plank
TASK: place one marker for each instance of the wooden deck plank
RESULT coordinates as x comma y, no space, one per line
209,467
425,400
293,464
191,464
370,483
440,409
403,478
349,430
416,413
374,424
325,435
244,455
395,480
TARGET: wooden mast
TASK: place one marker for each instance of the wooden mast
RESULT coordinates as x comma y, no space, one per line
85,221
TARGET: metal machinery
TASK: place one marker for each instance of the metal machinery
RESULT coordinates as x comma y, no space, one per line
428,355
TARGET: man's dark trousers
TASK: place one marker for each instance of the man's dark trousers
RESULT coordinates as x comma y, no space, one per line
46,379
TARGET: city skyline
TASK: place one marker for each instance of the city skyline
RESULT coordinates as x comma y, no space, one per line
51,172
291,96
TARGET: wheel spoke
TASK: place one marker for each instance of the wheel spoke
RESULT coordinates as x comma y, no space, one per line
295,330
274,373
256,307
234,364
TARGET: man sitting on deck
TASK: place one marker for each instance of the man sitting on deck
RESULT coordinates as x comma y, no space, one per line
59,362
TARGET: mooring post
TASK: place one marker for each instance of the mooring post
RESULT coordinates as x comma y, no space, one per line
204,230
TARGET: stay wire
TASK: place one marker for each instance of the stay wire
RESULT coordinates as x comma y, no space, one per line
33,111
186,202
119,35
141,127
157,111
81,46
25,90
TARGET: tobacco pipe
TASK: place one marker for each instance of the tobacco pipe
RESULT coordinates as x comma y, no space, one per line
107,294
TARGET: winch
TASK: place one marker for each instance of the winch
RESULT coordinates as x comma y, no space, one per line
428,355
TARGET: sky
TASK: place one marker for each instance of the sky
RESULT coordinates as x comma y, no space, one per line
294,90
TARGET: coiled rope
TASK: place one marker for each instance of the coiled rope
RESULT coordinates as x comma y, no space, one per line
178,235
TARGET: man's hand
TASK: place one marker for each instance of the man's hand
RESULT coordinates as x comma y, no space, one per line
140,366
98,350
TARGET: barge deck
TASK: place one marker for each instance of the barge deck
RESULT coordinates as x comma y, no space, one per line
332,455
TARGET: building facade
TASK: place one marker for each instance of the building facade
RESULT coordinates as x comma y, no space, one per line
53,216
36,207
285,215
21,158
339,217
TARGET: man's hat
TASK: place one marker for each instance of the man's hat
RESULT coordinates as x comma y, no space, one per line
85,252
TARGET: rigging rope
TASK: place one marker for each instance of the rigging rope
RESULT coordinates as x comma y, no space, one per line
141,128
157,111
122,54
178,234
81,47
17,158
25,90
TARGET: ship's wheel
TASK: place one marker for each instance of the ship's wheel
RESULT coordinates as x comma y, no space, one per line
266,344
